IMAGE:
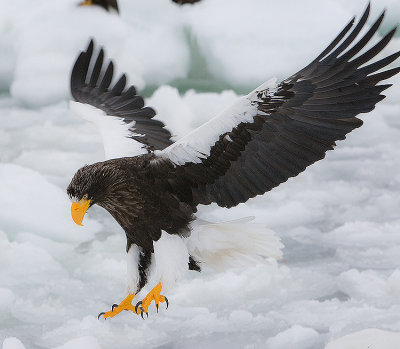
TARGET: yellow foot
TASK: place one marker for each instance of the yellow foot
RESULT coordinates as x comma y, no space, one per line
155,295
126,304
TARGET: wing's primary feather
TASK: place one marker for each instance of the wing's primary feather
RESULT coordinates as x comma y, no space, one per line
276,131
126,125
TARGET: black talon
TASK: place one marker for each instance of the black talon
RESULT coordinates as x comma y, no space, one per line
157,307
137,306
166,301
141,314
114,306
98,317
142,310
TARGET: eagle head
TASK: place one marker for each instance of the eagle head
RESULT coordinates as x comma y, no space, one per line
93,184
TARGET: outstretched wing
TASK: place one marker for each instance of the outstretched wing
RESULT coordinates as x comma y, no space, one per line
126,125
276,131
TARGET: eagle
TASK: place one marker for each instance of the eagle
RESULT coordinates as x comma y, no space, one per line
183,2
153,186
112,5
108,5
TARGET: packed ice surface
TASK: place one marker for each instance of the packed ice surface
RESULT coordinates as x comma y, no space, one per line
339,220
238,45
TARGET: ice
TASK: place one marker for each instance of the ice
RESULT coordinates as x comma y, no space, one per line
47,37
186,112
370,338
296,336
39,41
339,220
12,343
248,49
81,343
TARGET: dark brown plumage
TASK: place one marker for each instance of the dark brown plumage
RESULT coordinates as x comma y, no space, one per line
137,195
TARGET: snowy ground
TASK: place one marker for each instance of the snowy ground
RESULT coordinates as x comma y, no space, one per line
339,220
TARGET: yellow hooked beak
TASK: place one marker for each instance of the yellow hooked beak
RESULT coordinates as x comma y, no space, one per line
86,3
78,210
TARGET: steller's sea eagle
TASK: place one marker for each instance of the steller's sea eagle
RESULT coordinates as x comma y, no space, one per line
112,5
109,5
152,186
183,2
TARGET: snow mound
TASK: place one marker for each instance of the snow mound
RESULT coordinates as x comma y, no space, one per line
43,208
12,343
295,337
81,343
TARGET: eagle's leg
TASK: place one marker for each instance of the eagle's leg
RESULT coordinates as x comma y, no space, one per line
155,295
126,304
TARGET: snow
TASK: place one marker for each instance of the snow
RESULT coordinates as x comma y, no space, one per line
339,220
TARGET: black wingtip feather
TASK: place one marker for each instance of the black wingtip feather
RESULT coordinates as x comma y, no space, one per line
95,74
351,37
80,70
375,50
339,38
90,47
107,78
363,41
376,78
382,63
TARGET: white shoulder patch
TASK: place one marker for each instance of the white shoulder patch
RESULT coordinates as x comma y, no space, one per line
267,88
197,145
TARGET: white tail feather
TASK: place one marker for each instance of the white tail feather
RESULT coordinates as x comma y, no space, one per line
221,246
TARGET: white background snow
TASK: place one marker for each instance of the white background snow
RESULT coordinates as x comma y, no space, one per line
339,221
